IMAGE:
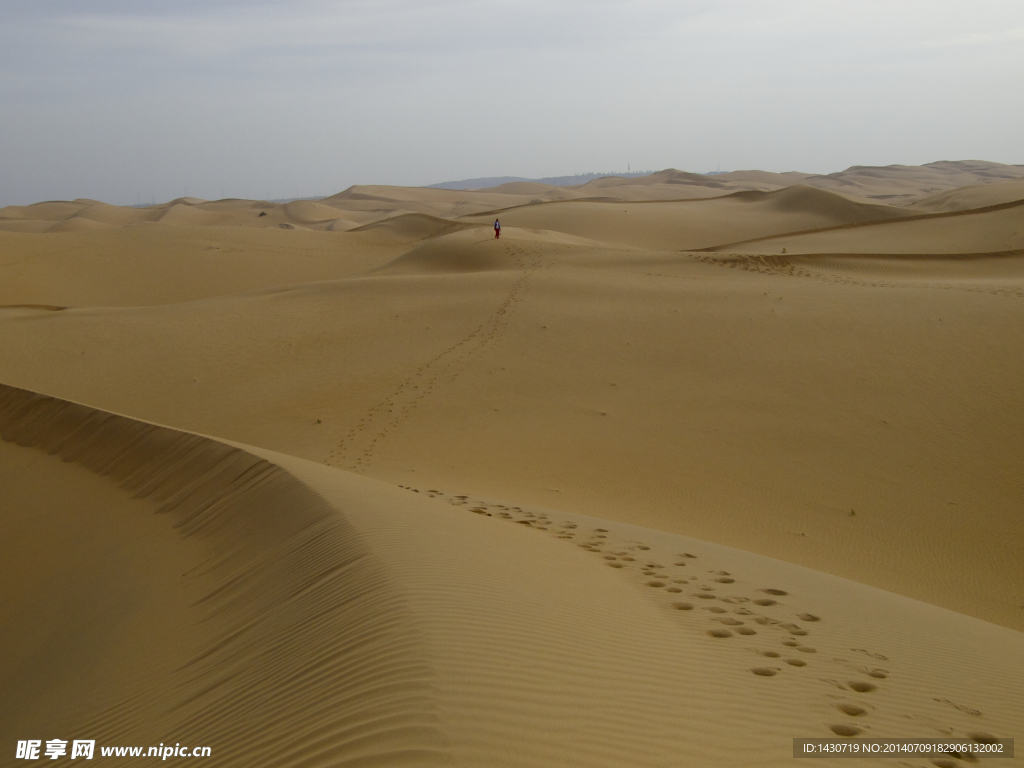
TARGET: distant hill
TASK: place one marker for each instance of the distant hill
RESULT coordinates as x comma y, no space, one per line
554,181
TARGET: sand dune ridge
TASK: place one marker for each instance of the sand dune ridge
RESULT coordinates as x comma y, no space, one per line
293,615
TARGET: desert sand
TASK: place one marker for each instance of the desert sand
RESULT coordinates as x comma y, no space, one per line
680,468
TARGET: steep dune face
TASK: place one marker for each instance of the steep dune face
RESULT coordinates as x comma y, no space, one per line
290,641
283,612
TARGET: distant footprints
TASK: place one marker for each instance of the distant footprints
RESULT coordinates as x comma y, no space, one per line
357,448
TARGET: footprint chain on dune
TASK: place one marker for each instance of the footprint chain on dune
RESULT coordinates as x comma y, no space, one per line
761,628
357,448
783,266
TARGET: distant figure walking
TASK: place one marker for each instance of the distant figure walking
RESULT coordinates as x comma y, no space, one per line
497,229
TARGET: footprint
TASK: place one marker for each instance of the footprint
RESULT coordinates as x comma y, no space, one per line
765,602
862,687
720,633
796,662
766,671
770,654
747,631
683,606
878,656
984,738
961,707
845,730
808,617
851,709
777,592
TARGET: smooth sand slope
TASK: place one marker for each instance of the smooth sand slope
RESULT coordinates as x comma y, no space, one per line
462,439
285,613
989,230
755,406
695,224
164,265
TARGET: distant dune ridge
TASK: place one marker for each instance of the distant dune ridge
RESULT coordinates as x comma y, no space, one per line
900,185
678,469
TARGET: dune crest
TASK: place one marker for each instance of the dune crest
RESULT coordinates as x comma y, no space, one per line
292,615
328,619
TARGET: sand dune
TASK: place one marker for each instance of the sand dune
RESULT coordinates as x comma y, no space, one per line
903,184
690,225
51,211
104,267
628,486
28,226
409,227
78,224
921,187
997,229
753,407
966,198
285,612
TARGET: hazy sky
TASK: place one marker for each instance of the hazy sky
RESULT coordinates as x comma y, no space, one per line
127,99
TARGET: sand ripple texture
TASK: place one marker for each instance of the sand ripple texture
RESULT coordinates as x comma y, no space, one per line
291,644
291,614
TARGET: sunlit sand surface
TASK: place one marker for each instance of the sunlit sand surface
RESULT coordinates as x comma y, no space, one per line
678,469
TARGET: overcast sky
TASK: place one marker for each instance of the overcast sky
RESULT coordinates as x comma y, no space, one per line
123,100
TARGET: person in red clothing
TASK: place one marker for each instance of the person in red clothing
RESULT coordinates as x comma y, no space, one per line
497,229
